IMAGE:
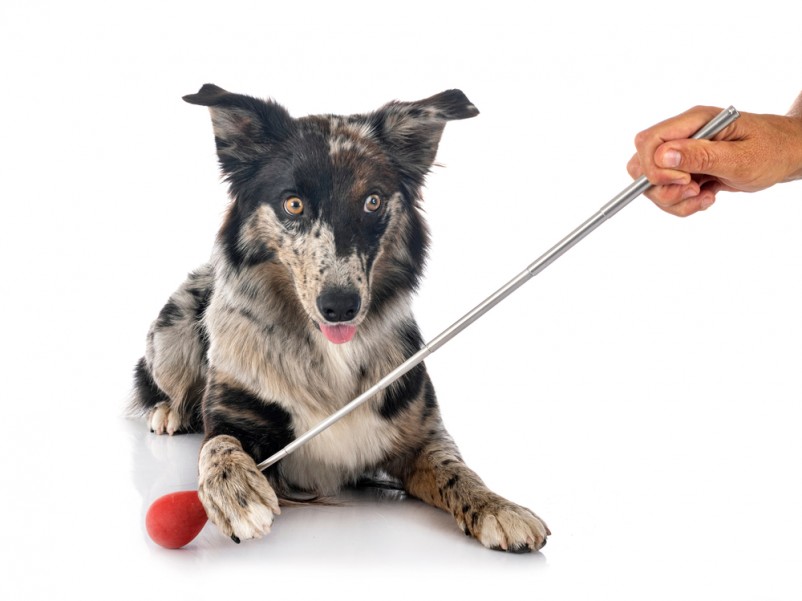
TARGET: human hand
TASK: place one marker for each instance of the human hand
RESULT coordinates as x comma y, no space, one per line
753,153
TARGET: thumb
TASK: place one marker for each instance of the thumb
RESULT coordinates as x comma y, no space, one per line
695,156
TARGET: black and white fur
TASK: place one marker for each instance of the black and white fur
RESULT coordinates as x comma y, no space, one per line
304,305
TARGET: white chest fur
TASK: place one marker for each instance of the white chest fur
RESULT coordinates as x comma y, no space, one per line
343,451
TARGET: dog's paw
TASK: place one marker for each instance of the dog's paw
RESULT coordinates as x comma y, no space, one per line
236,495
505,526
163,420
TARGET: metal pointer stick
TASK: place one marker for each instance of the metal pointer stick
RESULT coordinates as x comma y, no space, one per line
622,199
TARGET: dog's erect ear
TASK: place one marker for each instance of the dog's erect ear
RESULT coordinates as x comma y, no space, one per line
244,127
411,130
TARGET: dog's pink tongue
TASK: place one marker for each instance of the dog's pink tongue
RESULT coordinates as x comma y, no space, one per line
339,333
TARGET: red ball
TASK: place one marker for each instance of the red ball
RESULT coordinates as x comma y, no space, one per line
175,520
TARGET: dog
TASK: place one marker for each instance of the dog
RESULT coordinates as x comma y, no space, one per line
306,303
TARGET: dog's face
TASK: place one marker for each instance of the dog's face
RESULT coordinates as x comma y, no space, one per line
326,199
333,199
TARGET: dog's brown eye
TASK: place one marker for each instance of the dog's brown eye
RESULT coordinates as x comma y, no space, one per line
372,203
294,205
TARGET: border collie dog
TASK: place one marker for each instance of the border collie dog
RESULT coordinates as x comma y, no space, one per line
306,303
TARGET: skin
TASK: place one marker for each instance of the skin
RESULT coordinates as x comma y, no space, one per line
753,153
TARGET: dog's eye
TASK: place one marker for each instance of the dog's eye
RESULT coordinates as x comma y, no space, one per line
372,203
294,206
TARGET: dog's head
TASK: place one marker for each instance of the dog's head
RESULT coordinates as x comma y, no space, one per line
331,198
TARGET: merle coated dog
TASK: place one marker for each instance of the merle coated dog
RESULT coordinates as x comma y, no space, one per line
304,305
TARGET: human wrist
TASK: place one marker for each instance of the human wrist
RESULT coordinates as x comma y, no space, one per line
795,147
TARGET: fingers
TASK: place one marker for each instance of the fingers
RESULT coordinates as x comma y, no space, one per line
720,160
688,206
681,200
668,158
751,154
665,168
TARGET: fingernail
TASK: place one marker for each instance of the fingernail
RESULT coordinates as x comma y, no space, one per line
707,202
671,158
688,193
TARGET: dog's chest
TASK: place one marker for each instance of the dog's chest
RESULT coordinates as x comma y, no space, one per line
340,454
350,446
311,378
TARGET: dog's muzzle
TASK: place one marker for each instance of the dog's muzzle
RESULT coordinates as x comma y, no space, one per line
337,306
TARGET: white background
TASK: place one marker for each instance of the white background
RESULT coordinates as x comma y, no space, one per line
642,394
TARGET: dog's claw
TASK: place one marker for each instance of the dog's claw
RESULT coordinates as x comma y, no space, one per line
235,538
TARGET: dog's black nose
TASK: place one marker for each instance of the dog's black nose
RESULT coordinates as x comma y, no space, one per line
339,304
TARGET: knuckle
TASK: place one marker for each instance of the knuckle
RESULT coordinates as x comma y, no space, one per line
642,138
684,210
703,160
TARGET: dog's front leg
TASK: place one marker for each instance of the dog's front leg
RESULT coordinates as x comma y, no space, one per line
241,429
237,497
438,476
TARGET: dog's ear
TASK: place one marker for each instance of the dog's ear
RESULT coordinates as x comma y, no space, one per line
244,127
411,131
